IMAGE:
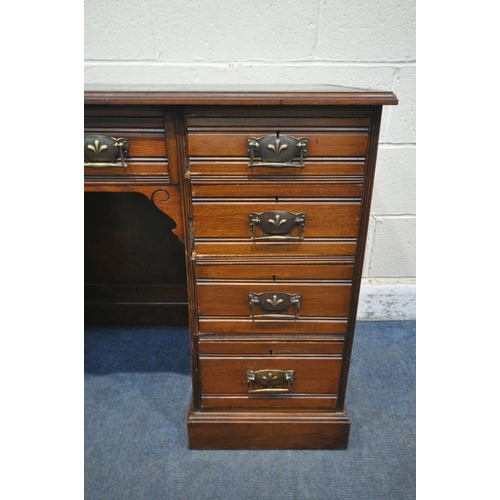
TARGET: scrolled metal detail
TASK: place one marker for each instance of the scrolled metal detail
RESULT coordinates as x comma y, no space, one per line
275,303
270,381
277,151
103,151
277,225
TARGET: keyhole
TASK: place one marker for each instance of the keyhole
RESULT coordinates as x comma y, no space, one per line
277,134
276,198
274,277
271,352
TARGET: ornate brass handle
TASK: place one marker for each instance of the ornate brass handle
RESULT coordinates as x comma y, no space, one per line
277,225
102,151
274,303
270,381
277,151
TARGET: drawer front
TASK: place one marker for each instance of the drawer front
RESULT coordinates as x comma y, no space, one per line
274,244
341,247
203,169
286,301
141,130
262,270
272,189
254,219
269,381
258,142
224,347
232,144
225,325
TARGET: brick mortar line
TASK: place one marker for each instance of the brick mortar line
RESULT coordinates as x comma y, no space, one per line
236,64
393,216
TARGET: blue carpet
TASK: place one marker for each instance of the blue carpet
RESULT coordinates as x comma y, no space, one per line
137,393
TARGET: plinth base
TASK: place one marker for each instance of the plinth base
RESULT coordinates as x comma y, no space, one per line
268,431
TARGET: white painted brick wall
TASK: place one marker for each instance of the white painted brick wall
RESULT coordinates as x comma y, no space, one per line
359,43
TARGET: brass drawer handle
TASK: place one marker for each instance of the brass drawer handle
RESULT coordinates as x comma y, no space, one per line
102,151
274,304
270,381
277,225
277,151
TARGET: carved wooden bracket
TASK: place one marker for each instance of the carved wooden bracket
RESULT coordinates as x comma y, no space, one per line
166,198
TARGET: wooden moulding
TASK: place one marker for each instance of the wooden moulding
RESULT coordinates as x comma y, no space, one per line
316,95
268,431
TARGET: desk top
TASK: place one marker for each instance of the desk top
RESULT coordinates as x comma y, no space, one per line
271,95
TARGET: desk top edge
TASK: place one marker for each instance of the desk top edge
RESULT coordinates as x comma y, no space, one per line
236,95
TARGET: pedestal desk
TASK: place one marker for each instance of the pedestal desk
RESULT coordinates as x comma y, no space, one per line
268,190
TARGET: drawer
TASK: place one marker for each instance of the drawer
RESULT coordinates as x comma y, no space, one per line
276,188
285,301
268,347
142,133
275,272
203,169
320,144
220,325
244,248
281,218
277,381
226,142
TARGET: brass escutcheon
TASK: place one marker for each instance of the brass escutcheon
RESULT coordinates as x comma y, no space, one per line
276,225
102,151
277,151
274,303
270,381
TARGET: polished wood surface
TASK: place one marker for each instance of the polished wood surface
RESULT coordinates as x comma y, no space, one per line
251,430
270,271
228,218
302,325
188,169
319,299
234,95
144,126
271,347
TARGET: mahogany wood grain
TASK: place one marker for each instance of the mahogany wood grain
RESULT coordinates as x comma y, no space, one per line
231,298
123,113
227,375
147,146
309,247
221,118
237,95
325,218
263,326
201,188
125,124
175,151
295,402
360,251
269,347
275,272
317,170
321,430
235,144
271,114
196,137
139,167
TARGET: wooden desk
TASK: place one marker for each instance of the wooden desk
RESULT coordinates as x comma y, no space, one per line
265,193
